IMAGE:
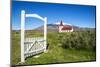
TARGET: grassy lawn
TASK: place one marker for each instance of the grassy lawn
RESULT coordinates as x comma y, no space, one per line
56,53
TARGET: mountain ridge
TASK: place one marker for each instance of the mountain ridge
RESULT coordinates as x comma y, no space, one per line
54,28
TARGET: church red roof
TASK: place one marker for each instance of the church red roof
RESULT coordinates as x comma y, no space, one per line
66,27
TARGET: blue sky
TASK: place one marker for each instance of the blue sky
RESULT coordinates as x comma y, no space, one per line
78,15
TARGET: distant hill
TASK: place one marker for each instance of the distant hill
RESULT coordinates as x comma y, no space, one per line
54,28
50,28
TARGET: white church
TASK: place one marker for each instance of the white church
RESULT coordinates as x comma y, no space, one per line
65,28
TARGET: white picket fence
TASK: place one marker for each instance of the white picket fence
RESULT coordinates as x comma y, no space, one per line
33,46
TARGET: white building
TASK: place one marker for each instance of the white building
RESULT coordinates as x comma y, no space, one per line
65,28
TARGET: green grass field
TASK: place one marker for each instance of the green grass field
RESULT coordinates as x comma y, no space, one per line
56,52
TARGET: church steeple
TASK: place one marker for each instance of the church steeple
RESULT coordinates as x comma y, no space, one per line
61,23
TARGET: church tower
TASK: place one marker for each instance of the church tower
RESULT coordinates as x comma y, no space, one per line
60,26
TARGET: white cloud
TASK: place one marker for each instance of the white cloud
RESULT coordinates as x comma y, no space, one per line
63,23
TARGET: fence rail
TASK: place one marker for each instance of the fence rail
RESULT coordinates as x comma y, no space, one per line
33,46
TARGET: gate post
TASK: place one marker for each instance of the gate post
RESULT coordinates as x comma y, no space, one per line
45,32
22,34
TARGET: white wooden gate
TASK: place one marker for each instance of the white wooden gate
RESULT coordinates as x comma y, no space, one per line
32,46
